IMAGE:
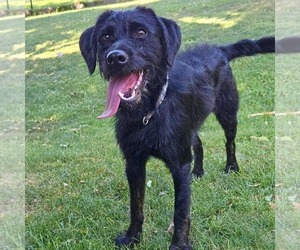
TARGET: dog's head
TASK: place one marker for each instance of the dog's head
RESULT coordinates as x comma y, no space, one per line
131,47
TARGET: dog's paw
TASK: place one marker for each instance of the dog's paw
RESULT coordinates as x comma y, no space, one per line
127,240
232,168
196,175
198,171
180,247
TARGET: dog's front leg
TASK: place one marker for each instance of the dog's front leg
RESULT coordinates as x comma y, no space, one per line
136,173
181,178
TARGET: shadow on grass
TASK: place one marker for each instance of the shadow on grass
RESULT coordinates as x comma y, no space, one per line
59,34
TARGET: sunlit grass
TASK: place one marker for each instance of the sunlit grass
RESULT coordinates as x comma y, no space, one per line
65,47
13,4
222,22
40,4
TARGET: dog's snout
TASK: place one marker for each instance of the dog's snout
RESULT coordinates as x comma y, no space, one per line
117,57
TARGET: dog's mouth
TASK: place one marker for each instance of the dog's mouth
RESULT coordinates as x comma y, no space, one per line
126,88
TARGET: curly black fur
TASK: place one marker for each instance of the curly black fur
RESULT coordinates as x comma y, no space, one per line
201,82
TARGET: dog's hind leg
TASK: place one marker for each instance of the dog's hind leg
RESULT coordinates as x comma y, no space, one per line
230,133
226,113
230,128
198,170
136,174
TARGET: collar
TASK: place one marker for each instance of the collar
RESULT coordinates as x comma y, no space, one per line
158,102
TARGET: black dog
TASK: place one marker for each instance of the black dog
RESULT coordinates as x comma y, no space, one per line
160,101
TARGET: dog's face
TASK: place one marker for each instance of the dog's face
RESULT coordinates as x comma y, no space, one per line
131,47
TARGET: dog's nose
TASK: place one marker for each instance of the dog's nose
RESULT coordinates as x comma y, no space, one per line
117,57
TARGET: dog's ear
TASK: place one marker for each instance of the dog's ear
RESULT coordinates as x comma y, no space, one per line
171,39
88,41
88,48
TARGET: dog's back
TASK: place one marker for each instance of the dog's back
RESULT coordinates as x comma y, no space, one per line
213,56
203,73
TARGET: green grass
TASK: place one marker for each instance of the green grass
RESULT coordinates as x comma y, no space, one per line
42,4
287,133
287,153
13,5
77,194
12,136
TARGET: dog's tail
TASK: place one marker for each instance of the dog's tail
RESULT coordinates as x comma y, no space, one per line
249,47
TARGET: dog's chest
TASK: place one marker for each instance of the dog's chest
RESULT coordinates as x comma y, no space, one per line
149,139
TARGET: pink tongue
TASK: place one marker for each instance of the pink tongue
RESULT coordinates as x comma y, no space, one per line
117,84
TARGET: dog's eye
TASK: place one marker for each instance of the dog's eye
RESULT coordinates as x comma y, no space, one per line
140,32
105,37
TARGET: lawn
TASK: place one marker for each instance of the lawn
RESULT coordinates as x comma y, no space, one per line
77,194
12,136
42,4
13,5
287,132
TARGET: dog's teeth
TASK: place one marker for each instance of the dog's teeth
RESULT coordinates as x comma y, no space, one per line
139,81
141,76
133,94
121,94
137,85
